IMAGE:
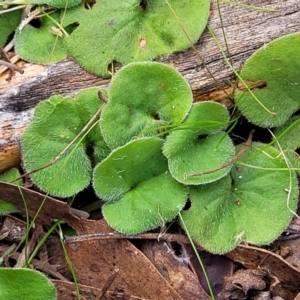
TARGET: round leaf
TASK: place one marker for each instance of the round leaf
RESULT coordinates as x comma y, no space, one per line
138,105
25,284
249,204
56,123
132,30
199,146
40,45
278,65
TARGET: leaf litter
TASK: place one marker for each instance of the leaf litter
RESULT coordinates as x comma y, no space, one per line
134,274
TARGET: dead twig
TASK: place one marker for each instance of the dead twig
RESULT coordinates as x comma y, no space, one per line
7,63
167,237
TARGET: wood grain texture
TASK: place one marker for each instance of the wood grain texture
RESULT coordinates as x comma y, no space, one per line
246,31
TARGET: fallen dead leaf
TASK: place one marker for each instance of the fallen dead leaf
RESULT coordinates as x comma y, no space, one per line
241,282
174,269
286,278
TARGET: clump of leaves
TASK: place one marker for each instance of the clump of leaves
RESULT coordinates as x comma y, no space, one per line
132,30
277,64
134,179
160,148
107,31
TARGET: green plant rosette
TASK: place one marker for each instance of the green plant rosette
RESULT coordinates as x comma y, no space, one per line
140,193
199,144
56,123
252,204
133,30
277,64
144,97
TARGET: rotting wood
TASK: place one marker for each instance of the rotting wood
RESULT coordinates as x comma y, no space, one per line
246,30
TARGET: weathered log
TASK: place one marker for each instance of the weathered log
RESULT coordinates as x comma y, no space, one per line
246,29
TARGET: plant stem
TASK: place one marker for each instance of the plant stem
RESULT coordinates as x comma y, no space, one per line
198,257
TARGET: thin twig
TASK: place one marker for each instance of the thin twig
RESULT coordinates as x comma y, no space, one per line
243,150
167,237
11,66
7,63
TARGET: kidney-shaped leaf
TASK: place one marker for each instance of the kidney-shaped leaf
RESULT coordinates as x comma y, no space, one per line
143,96
250,204
198,145
56,123
141,194
278,65
25,284
132,30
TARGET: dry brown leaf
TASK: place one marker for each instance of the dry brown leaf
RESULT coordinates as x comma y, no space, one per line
286,278
95,261
174,269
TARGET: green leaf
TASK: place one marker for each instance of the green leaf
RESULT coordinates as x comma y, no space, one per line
141,194
25,284
198,145
138,105
250,204
40,45
128,31
289,134
8,24
278,64
6,207
56,123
